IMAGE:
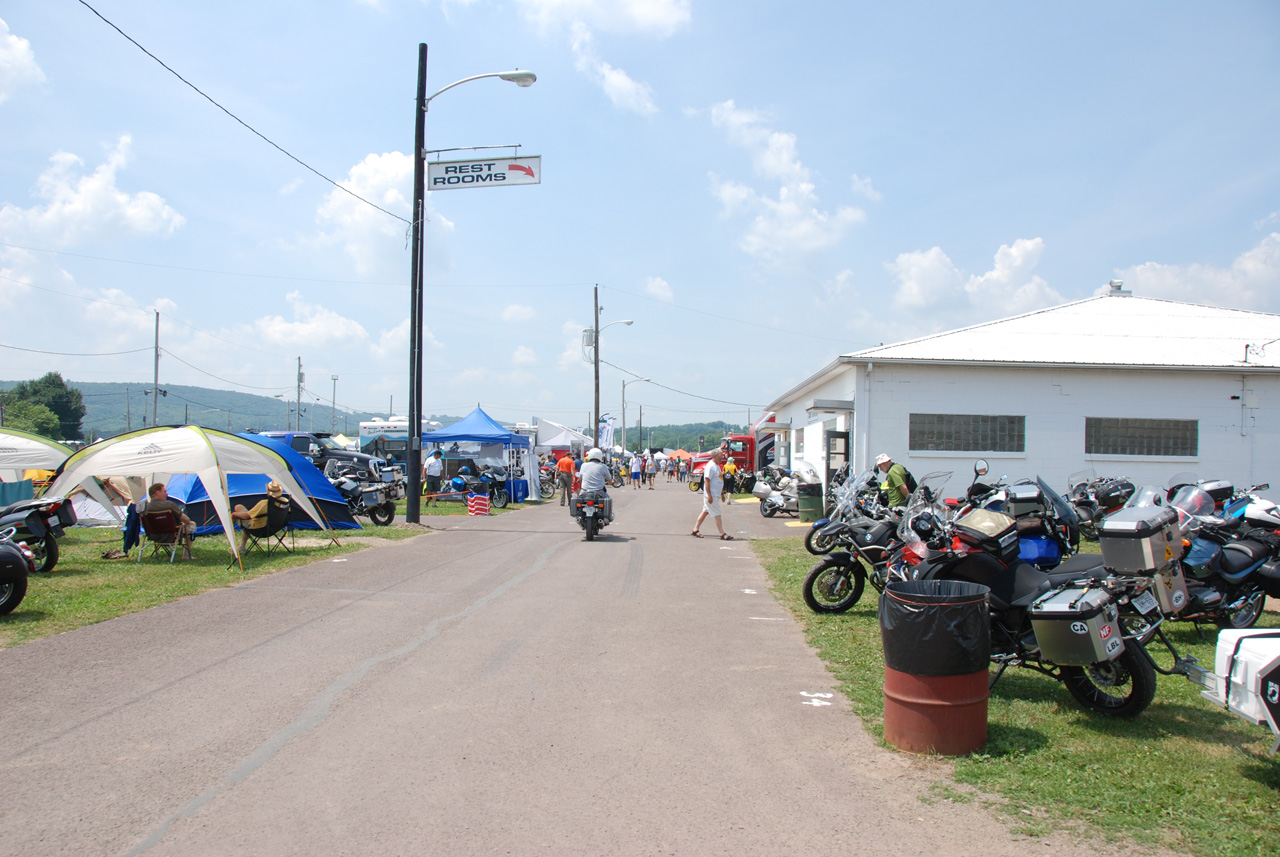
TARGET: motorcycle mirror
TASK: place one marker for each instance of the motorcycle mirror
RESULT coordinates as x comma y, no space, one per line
980,468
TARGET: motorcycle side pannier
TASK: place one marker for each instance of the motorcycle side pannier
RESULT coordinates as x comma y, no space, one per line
1077,626
761,490
1140,539
991,532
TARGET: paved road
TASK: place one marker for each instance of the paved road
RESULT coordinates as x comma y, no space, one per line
502,687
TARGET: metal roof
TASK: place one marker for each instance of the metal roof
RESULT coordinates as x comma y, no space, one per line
1109,330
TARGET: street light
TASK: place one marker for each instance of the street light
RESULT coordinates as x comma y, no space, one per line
624,408
412,512
595,358
333,406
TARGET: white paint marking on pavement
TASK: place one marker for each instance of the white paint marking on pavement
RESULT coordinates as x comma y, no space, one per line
339,560
766,619
817,695
816,703
749,592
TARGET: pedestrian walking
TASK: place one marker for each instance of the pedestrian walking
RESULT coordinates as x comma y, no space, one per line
635,472
712,485
652,470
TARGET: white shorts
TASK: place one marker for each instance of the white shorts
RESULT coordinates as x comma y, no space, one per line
712,506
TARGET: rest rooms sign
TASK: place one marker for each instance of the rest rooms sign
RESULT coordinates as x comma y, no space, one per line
492,172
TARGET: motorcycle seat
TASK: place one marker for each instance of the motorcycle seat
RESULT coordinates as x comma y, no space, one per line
1075,567
1240,557
1029,583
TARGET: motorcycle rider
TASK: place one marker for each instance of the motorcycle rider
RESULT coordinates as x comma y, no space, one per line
595,477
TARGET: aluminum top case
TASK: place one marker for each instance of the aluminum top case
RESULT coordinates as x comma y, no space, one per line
1140,539
1024,500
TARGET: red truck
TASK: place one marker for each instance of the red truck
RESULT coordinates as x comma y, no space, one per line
746,454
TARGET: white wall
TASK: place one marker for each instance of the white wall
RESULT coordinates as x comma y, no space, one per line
1235,443
838,386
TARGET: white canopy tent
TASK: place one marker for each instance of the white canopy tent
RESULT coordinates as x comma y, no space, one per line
20,450
156,454
553,435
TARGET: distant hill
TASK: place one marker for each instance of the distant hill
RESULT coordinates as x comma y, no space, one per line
112,408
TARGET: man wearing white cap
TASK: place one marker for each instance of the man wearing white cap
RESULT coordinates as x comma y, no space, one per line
894,482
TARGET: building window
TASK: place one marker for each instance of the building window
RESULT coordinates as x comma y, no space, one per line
967,433
1108,436
799,445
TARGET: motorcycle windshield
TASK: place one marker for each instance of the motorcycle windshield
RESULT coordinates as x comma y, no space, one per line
1078,480
926,499
1065,512
1186,477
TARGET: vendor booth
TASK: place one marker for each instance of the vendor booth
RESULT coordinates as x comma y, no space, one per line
478,437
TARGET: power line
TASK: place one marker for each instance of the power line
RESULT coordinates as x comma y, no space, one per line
218,377
238,119
682,392
75,354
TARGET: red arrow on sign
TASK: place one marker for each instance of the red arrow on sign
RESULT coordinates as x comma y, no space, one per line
526,170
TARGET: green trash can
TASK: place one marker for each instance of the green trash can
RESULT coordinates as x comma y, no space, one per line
809,499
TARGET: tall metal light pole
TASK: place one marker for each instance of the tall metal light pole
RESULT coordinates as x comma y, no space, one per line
595,357
333,406
413,504
624,409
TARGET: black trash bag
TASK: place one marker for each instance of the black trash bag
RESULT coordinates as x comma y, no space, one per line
935,627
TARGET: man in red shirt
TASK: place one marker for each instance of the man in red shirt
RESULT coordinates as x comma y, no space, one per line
565,467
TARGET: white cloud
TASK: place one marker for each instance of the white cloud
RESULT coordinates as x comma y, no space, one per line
18,65
863,187
659,18
622,90
658,288
372,240
518,312
791,223
1270,220
81,206
313,326
571,356
1252,281
930,283
524,356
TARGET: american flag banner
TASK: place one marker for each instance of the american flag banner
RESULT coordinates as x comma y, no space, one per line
477,504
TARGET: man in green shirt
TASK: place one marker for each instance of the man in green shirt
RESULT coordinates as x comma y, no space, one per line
894,481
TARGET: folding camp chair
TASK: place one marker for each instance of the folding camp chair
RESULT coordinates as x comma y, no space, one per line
160,532
274,532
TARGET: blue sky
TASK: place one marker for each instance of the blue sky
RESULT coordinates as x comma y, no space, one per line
760,186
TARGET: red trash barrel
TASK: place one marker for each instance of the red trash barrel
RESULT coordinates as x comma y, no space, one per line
937,645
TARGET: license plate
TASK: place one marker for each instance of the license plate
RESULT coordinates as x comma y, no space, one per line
1145,603
53,522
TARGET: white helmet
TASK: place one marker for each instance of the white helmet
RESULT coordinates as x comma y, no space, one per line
595,455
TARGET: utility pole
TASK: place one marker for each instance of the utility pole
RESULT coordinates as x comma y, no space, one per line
186,415
640,430
300,394
414,464
155,381
595,352
333,406
128,418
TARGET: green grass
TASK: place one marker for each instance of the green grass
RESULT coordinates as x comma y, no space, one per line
1183,774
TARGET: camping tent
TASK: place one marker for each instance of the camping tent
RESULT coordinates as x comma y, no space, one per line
158,453
552,435
20,450
248,488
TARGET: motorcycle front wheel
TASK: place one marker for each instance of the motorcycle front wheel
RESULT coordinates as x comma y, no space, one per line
382,515
547,489
501,498
618,481
834,585
818,544
45,553
1120,688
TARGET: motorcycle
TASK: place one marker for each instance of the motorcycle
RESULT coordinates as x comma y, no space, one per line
364,499
593,510
40,523
17,564
491,481
547,482
852,502
1094,498
786,496
1087,629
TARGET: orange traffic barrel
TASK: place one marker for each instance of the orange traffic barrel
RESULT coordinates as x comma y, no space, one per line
937,645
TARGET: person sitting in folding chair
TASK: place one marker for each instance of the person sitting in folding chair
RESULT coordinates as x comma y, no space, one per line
158,502
267,518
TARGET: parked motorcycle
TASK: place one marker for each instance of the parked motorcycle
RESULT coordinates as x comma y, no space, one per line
785,497
490,481
17,563
40,523
1096,497
364,499
1087,629
547,482
593,510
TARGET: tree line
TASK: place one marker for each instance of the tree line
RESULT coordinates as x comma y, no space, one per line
45,406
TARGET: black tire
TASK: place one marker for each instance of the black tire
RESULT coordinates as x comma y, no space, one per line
767,510
546,490
501,498
1122,688
13,588
45,552
818,544
382,516
1247,616
834,585
590,527
618,481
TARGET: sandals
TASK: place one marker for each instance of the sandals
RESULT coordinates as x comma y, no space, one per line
696,534
726,538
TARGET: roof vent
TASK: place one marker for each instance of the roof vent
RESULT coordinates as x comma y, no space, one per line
1118,290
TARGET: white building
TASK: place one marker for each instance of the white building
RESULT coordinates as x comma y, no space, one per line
1124,385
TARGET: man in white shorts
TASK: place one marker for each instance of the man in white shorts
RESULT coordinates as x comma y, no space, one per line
712,486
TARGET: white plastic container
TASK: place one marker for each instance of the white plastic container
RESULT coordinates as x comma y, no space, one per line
1251,671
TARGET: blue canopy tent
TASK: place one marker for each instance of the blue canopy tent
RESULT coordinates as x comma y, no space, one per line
248,488
477,427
